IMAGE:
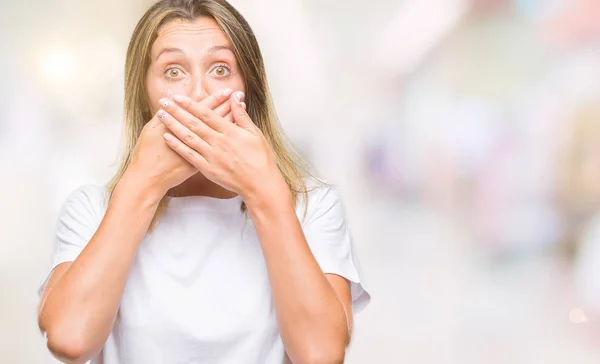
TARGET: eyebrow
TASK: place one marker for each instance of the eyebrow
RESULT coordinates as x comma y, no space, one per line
211,50
217,48
168,50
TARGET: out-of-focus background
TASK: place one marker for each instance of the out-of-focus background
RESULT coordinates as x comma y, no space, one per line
463,135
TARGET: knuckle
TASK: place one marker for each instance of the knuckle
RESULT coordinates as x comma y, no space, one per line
190,155
226,142
218,141
204,116
175,110
197,132
192,124
203,113
188,138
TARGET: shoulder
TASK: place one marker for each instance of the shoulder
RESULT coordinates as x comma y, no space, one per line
86,199
322,198
89,193
321,191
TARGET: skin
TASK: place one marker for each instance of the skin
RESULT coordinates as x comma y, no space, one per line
206,144
193,59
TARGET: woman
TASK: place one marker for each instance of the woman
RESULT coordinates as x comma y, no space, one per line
212,244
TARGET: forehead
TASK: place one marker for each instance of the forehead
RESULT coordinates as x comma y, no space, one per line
196,35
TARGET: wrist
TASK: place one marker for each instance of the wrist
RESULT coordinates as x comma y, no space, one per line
140,189
273,194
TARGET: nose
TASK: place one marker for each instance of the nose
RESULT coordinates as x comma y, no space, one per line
199,91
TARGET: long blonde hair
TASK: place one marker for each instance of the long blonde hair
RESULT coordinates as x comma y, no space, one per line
137,110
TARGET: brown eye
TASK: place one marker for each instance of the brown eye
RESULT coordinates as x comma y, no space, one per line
220,71
173,72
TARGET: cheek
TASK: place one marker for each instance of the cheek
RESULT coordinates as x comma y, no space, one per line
238,83
158,88
235,82
155,91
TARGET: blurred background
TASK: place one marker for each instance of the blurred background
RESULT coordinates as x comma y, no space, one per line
463,135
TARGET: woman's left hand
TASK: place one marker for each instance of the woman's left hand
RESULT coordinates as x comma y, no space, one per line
235,155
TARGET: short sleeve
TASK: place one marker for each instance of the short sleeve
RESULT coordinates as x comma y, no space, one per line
78,220
329,238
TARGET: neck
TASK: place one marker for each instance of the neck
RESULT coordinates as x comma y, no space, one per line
198,185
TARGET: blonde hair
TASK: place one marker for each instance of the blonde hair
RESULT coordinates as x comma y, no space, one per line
137,110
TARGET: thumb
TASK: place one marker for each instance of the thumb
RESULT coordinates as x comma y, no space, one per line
238,110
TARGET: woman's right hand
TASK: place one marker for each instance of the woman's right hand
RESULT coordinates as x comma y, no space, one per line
156,166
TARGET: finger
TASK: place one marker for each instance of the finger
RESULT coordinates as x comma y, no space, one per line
184,134
188,120
238,109
211,101
187,153
153,123
229,117
203,112
224,109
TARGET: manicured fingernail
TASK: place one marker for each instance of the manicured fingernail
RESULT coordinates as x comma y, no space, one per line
168,137
179,98
162,114
227,92
164,102
244,105
239,96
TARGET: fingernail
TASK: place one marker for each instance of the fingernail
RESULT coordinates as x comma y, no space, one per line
179,98
239,96
168,137
244,105
227,92
164,102
162,114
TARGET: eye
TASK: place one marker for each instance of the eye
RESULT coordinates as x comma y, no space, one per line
173,72
221,70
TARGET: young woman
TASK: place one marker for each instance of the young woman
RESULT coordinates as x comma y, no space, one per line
213,243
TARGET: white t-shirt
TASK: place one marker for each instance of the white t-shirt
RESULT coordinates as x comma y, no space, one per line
198,290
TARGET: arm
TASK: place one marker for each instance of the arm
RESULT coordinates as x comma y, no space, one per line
78,309
81,300
313,309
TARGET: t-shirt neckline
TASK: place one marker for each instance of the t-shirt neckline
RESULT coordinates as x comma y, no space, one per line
204,203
